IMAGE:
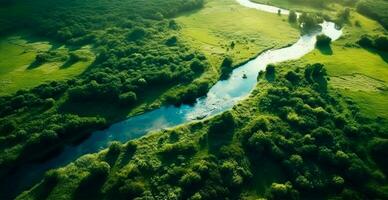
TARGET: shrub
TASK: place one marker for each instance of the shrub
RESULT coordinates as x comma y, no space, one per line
292,17
128,98
280,191
137,34
190,179
323,41
172,41
197,66
226,67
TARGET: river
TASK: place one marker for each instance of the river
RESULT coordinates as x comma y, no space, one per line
222,96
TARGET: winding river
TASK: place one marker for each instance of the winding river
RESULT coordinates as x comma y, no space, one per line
222,96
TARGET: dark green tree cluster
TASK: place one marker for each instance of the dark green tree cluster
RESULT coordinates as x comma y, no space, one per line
323,41
379,42
292,17
310,22
376,9
323,146
133,56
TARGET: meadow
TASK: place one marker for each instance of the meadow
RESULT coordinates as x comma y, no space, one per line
17,56
366,67
226,28
357,72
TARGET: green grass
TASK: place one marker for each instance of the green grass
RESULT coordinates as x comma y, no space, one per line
213,29
359,73
330,9
18,52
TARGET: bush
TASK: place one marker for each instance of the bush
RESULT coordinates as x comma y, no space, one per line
128,98
282,191
323,41
379,152
292,17
172,41
226,67
137,34
197,66
190,179
381,43
170,151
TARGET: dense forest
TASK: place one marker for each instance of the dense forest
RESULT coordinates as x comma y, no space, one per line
294,137
136,52
312,142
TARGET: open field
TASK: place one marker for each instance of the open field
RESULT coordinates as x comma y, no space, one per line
17,55
213,29
359,73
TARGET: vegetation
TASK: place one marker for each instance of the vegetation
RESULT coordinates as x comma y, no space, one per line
308,130
323,41
131,57
324,148
355,67
224,28
292,17
375,9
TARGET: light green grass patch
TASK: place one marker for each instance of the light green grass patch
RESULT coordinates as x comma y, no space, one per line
356,72
17,53
213,29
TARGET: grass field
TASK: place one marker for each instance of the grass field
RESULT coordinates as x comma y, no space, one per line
17,54
359,73
213,29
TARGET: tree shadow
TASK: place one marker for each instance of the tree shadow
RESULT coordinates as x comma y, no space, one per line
325,50
383,55
68,63
34,65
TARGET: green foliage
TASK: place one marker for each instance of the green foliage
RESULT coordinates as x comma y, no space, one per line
378,148
292,17
282,191
226,67
270,72
323,41
128,38
378,42
171,41
310,22
375,9
320,153
128,98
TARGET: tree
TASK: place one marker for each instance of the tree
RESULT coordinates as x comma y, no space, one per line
381,43
270,72
197,66
292,17
365,41
172,41
137,34
280,191
226,67
323,41
128,98
293,77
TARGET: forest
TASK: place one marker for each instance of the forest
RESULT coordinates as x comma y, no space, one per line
314,127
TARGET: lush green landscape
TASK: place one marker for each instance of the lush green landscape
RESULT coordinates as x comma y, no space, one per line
312,128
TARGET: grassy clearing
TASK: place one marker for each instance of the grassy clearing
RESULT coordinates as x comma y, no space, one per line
329,10
213,29
359,73
17,54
